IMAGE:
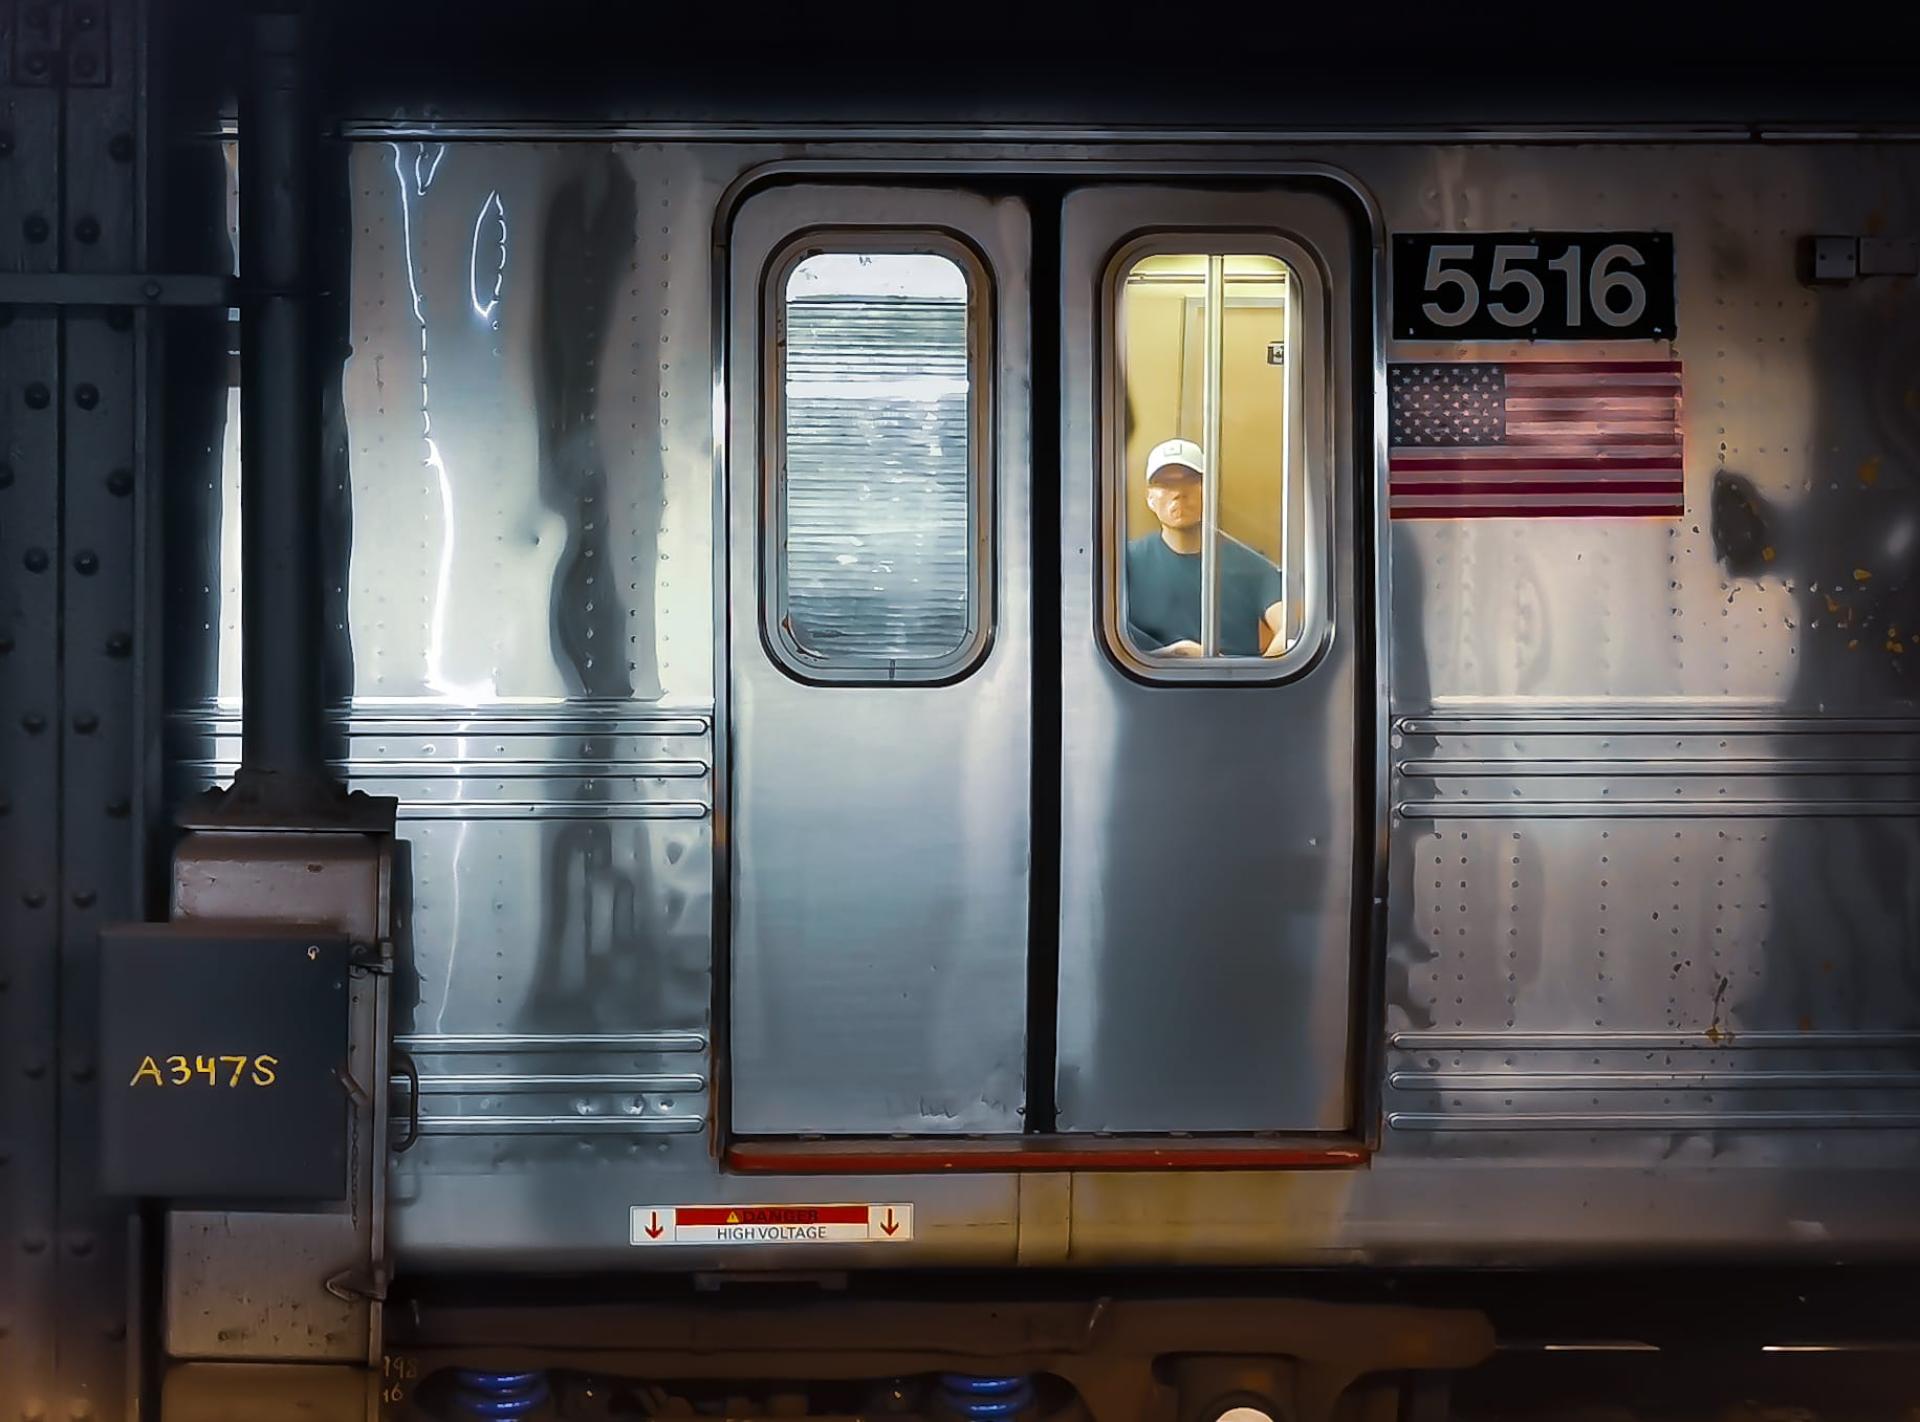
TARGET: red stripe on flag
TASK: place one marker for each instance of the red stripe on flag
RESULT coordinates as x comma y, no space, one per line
1506,478
1665,389
1534,375
1651,407
1515,476
1542,511
1513,457
1586,367
1663,438
1586,415
1540,486
1657,464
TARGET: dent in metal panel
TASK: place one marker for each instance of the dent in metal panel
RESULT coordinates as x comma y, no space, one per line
1207,932
521,530
879,855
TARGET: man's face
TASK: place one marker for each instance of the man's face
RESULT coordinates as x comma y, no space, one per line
1176,496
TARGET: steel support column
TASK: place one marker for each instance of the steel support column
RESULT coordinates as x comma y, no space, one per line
279,414
31,403
73,720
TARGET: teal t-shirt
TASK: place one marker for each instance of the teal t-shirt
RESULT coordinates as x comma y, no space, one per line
1163,595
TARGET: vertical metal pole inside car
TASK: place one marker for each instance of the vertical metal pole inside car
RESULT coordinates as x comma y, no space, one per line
1292,464
245,1041
1210,476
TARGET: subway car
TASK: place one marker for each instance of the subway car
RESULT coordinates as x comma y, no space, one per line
1207,723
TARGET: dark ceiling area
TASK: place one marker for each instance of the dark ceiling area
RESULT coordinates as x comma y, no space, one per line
1278,65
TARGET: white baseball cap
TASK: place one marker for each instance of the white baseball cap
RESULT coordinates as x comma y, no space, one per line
1183,452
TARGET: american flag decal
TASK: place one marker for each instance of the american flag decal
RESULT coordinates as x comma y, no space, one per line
1535,439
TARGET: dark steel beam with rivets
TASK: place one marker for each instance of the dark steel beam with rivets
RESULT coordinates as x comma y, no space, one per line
30,716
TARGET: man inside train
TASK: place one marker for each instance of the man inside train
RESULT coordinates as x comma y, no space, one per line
1163,570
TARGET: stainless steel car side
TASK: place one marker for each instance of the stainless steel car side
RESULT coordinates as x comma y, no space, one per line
1559,907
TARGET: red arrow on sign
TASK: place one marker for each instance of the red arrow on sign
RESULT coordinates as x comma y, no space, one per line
889,1227
653,1225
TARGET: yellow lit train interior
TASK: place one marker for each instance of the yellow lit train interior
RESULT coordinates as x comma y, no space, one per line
1163,348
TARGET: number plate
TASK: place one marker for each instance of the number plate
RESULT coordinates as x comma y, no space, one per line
223,1061
1533,286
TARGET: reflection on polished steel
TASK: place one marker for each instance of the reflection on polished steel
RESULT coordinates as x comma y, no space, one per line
1640,977
554,1042
527,1082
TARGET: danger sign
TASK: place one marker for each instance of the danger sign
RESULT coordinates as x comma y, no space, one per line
770,1224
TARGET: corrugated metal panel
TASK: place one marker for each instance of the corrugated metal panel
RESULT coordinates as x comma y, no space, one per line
877,493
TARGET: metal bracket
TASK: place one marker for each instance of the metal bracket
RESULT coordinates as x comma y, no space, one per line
114,289
1833,261
353,1284
371,960
410,1071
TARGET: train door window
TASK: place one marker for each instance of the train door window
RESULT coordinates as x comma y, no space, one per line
1211,486
878,570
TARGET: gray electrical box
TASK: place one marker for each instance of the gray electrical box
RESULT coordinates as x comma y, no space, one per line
223,1061
1834,258
1889,256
